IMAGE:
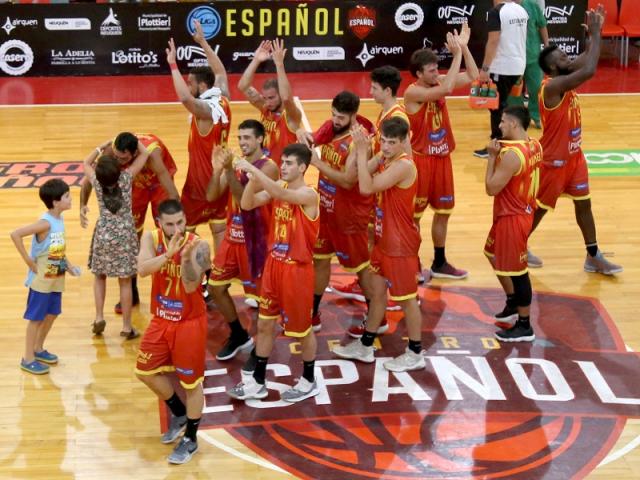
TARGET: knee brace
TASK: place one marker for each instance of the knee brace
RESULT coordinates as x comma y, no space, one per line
522,290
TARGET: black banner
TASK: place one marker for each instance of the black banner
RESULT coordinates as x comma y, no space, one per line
130,39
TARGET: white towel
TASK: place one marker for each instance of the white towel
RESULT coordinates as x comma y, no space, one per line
212,97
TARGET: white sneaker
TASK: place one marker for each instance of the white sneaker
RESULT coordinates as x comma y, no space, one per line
355,351
407,361
300,391
251,302
247,389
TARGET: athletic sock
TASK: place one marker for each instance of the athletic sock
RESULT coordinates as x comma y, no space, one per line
523,322
316,303
511,300
307,371
438,257
176,406
260,372
592,249
237,330
192,429
415,346
368,338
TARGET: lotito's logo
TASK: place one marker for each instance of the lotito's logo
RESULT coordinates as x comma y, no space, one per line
134,56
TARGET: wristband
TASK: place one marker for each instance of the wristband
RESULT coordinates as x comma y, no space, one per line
173,66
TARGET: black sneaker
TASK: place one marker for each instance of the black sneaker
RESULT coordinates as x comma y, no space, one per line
232,346
506,317
517,333
482,153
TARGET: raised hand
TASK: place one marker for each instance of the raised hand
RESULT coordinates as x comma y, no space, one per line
278,51
595,19
493,148
198,35
304,137
171,52
218,158
174,244
360,137
452,43
464,35
263,52
244,165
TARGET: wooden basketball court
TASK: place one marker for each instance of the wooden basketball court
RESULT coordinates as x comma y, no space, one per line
91,418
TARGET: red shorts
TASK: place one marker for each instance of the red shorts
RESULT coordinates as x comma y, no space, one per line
141,198
506,244
400,273
231,264
352,249
287,290
435,184
174,346
560,177
200,211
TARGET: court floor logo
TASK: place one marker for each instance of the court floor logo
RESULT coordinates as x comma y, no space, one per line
548,410
613,163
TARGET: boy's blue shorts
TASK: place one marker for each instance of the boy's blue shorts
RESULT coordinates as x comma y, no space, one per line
39,305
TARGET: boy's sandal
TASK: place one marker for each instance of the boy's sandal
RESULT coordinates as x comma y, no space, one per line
98,327
130,335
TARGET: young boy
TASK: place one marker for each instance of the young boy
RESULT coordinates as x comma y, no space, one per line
47,264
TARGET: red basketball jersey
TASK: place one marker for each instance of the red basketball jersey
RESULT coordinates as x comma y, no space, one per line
431,129
397,110
169,300
518,197
561,126
200,148
293,233
278,133
147,177
396,233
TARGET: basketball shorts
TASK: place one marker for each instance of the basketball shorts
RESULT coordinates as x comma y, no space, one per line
506,244
200,211
399,272
435,184
351,249
141,198
231,265
559,177
169,346
287,290
40,304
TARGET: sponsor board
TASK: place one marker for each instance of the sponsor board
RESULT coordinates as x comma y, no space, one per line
154,22
238,55
558,15
34,174
194,55
409,17
9,25
135,56
111,26
367,53
361,20
569,45
613,163
453,15
318,53
64,24
66,57
16,57
209,19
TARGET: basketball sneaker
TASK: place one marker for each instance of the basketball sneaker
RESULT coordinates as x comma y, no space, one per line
599,264
300,391
409,360
517,333
533,261
176,427
446,270
481,153
183,452
355,351
351,291
248,389
233,346
356,331
506,317
251,302
316,324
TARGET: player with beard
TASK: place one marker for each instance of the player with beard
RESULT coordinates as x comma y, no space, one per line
279,113
176,337
564,168
243,250
206,97
287,281
432,140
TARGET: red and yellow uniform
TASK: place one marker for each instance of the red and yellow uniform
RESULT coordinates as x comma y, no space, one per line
397,239
176,337
513,210
344,213
432,143
194,198
288,278
564,168
278,133
231,263
397,110
146,187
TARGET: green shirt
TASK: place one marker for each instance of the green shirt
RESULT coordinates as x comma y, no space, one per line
535,23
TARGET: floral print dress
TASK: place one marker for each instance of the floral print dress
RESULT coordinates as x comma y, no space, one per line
114,246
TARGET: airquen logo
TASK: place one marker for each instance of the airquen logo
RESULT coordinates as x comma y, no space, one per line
111,25
479,409
367,53
16,57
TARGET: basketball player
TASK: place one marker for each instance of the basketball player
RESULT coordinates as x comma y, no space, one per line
243,250
176,337
151,186
564,168
206,97
432,140
278,111
392,176
512,179
287,281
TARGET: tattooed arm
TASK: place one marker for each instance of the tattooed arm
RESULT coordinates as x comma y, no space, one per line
196,259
